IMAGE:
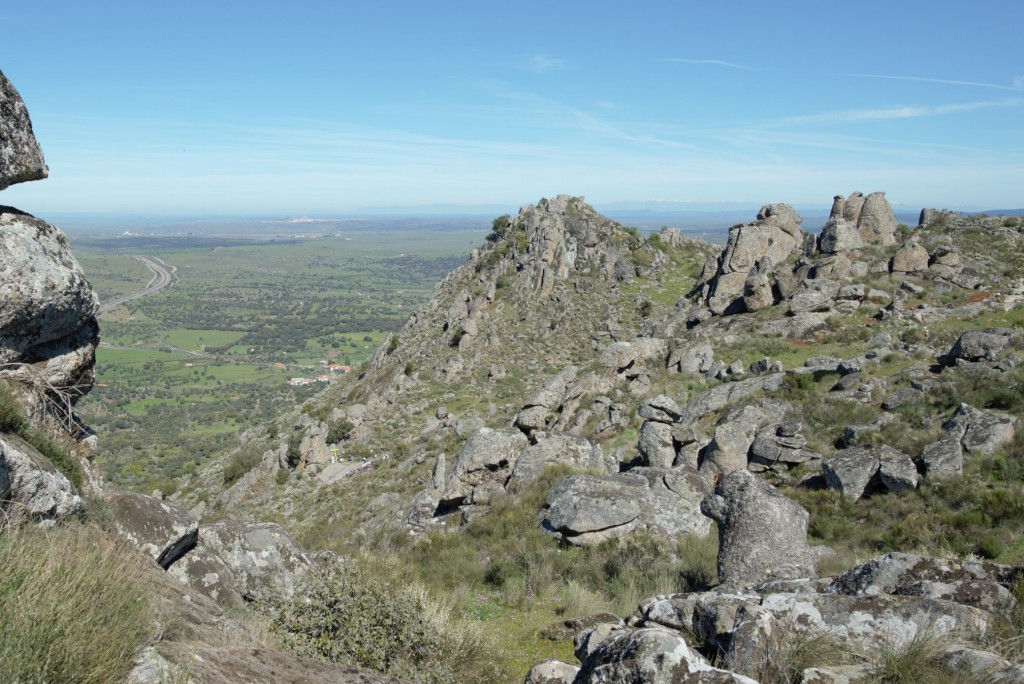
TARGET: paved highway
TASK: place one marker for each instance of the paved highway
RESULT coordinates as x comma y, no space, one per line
163,276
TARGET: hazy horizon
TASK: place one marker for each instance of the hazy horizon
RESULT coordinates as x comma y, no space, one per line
323,108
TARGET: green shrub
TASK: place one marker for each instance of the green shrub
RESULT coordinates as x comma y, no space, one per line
74,606
341,613
241,462
12,417
338,431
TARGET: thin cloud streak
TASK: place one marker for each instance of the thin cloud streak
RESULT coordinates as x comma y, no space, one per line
716,62
544,63
900,112
1018,83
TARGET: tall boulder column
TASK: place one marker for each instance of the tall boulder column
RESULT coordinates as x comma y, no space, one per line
21,159
48,328
762,534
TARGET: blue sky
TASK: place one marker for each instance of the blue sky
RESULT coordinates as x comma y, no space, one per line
326,107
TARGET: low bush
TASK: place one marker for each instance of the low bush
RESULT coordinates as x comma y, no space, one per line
342,613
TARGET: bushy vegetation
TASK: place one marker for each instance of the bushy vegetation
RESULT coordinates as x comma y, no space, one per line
343,613
74,606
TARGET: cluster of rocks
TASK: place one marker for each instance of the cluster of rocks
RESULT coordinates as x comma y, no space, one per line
771,262
769,599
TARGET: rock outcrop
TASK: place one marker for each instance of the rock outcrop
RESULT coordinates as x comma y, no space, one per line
21,158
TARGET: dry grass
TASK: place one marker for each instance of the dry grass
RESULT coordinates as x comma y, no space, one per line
74,606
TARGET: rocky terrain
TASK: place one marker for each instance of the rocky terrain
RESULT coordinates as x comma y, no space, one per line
836,407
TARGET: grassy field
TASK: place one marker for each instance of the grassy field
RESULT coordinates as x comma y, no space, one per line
183,372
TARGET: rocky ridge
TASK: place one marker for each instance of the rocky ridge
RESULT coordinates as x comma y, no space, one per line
683,394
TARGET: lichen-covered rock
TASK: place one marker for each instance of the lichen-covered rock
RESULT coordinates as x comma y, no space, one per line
758,247
30,487
762,534
981,431
261,556
861,470
161,529
912,257
21,159
943,459
651,655
552,672
205,572
978,345
553,448
889,573
839,235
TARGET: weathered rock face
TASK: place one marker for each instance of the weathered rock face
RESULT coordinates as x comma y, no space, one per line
484,466
762,534
48,328
585,510
161,529
30,487
872,215
756,247
862,470
262,557
20,157
978,345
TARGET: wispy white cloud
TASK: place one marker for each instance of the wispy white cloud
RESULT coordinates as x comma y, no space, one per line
544,63
715,62
900,112
1018,83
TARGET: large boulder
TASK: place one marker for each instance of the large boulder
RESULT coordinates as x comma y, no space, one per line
981,431
553,448
977,345
862,470
21,159
161,529
756,247
912,257
30,487
862,625
48,328
484,466
762,534
585,510
839,235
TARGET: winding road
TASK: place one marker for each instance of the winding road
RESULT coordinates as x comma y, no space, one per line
163,275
